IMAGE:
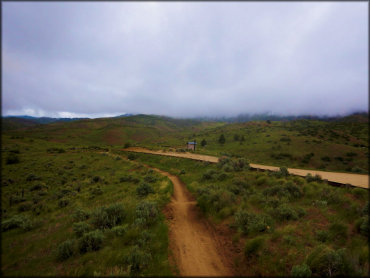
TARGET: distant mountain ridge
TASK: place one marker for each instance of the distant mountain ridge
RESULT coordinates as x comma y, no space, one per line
15,122
357,116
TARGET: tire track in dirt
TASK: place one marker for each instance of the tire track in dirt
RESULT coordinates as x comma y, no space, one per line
356,180
196,248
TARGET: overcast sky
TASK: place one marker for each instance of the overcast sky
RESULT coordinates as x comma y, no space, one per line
184,59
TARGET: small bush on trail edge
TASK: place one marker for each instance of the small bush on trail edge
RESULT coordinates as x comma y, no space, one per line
127,145
91,241
144,189
146,213
310,178
12,159
131,156
253,246
80,215
65,250
138,259
17,221
302,270
81,228
108,217
284,171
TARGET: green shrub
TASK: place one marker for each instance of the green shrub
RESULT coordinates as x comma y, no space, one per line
108,217
91,241
294,191
322,235
150,178
302,270
227,168
127,145
222,176
214,199
144,239
96,179
310,178
253,246
285,212
146,213
129,178
131,156
261,180
119,230
138,259
324,261
284,172
12,159
325,158
252,223
144,189
65,250
209,174
80,215
81,228
17,221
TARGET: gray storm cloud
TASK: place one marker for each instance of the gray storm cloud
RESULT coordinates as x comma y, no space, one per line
184,59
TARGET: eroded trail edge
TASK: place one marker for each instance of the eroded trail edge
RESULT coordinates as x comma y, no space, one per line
196,248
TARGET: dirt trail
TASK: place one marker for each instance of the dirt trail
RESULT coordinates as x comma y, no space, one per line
196,248
343,178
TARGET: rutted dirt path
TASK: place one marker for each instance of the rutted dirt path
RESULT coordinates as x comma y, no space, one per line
195,246
343,178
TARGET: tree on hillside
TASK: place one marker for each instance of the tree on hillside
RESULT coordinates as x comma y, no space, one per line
203,143
242,139
222,140
236,137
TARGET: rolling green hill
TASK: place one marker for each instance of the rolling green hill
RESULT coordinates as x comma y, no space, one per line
336,145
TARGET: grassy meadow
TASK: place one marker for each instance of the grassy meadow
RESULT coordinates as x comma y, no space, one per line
73,211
